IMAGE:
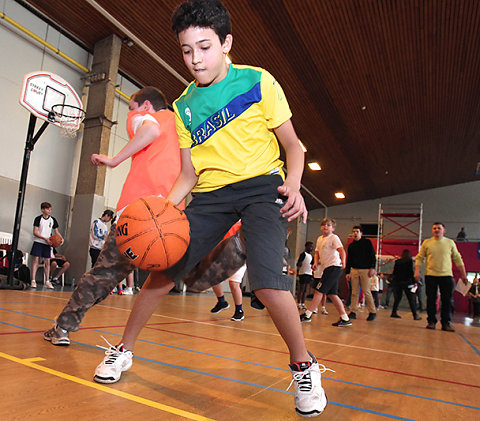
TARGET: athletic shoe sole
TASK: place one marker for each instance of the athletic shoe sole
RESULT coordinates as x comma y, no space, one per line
311,413
238,320
58,342
105,380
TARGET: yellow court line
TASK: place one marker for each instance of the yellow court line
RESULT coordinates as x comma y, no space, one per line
28,362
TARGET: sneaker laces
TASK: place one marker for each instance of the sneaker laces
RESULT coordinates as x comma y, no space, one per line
112,352
303,378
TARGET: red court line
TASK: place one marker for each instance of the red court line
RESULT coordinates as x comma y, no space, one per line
149,326
400,373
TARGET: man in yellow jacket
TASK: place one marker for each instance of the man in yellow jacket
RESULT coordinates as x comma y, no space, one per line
438,252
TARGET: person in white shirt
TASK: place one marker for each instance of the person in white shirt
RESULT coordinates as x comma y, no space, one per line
330,257
305,273
44,226
98,234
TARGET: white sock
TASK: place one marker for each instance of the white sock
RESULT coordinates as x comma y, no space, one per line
308,313
344,317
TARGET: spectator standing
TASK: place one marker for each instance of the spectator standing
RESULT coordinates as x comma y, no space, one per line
360,268
403,281
98,234
44,226
305,273
437,253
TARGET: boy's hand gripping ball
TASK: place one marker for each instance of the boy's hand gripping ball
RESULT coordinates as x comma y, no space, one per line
56,240
152,233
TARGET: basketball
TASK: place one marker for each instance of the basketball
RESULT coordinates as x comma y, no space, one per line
153,233
56,240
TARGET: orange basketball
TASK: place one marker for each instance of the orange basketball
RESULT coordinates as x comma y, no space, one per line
153,233
56,240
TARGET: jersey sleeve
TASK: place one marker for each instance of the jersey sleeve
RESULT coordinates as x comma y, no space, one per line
55,223
36,221
301,258
274,101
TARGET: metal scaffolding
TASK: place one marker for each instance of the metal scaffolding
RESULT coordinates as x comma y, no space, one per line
398,225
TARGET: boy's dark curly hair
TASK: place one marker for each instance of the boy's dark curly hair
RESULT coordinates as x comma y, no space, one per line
202,14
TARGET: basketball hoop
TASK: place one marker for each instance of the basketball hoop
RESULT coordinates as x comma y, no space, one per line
68,117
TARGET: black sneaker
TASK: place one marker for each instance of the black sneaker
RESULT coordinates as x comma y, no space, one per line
305,318
395,316
342,323
352,315
221,305
238,316
255,302
371,316
448,327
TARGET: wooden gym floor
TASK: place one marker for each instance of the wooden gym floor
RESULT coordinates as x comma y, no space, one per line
190,364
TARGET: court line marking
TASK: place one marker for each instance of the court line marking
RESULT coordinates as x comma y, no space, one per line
270,334
30,362
468,342
323,359
278,335
285,369
266,366
262,387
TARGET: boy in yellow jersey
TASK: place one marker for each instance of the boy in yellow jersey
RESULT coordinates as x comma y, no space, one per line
228,121
438,252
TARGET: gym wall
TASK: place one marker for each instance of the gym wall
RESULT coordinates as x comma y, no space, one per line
53,168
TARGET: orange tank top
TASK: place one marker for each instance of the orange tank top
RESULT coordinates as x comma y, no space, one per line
155,168
235,228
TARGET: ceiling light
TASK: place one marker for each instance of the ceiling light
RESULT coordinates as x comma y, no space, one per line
339,195
314,166
304,149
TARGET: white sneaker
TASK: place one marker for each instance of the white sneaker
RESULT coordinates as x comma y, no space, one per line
324,310
117,359
310,398
315,311
33,284
49,285
128,291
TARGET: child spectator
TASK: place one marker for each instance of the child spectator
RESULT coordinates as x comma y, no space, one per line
330,257
305,273
58,261
44,226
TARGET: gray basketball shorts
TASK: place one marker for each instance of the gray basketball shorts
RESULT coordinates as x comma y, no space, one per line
257,203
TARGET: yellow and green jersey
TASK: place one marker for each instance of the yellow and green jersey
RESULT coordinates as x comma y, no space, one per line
229,127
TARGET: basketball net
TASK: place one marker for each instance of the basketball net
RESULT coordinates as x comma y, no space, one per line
69,118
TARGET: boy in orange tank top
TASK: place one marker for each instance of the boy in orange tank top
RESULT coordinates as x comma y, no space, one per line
153,146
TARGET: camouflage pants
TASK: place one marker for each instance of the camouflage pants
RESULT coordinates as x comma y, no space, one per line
112,267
